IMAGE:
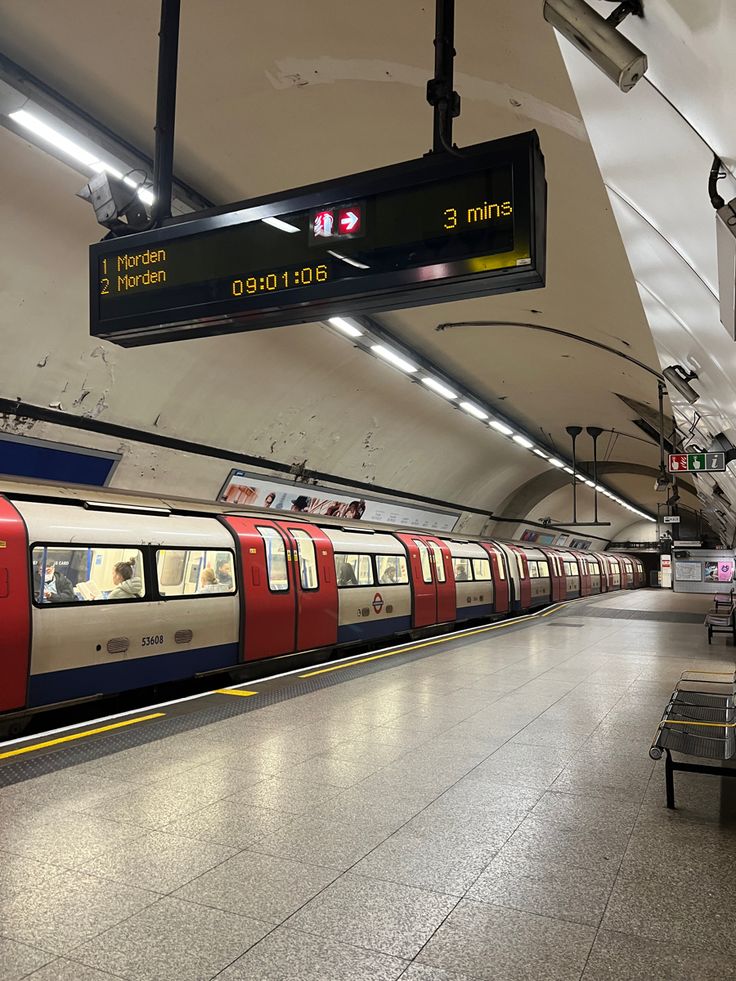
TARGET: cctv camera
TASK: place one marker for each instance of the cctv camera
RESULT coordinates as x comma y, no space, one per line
597,38
680,379
113,200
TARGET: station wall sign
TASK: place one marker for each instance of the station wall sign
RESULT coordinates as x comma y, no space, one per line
431,230
696,462
671,519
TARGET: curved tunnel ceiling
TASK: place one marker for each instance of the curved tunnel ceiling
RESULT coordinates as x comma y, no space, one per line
293,94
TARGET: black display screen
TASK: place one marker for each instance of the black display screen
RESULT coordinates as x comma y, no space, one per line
425,231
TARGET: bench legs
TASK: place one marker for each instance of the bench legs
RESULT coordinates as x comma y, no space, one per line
669,780
669,774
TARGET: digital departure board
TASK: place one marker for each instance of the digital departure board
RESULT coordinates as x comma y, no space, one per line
443,227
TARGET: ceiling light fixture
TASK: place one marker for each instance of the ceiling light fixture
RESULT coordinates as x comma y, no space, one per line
345,326
501,427
555,462
350,262
58,141
523,441
473,410
543,455
381,351
437,386
283,226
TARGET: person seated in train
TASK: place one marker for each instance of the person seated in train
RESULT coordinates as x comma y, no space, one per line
126,584
461,572
346,576
388,576
208,582
224,575
56,588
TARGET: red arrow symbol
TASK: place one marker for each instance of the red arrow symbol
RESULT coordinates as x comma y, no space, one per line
348,221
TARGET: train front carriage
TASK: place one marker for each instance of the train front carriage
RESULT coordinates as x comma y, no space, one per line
110,614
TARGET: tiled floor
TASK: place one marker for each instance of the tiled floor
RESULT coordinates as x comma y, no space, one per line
489,812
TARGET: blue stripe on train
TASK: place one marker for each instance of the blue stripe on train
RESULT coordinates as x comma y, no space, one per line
370,629
139,672
479,610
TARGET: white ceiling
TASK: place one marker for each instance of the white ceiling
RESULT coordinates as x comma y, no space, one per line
277,95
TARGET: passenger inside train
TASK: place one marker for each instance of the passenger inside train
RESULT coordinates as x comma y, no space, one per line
126,584
52,586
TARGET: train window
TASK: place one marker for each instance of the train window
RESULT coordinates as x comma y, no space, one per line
424,559
392,570
543,569
533,570
481,570
307,559
520,566
353,570
439,561
462,570
501,568
194,572
278,575
86,574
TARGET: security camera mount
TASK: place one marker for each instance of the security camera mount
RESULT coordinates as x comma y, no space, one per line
623,10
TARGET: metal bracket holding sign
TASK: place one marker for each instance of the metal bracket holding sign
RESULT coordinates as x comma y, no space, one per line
696,462
439,228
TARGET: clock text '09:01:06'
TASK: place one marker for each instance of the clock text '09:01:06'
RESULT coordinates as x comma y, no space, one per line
288,279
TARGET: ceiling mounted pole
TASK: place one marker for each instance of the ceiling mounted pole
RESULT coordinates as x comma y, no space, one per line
574,432
163,159
440,94
594,432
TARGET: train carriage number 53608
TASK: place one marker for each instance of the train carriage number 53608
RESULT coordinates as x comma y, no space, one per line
154,639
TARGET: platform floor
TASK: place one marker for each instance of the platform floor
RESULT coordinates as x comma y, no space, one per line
486,812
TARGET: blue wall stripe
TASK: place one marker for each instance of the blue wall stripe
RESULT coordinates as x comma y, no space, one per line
31,459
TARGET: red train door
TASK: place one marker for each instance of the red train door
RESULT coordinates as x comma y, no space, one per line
424,588
433,579
269,622
313,564
500,579
554,572
15,608
444,575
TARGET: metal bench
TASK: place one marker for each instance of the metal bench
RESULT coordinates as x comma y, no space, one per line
721,618
699,720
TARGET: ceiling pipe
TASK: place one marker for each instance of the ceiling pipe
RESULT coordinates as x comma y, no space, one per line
574,432
594,432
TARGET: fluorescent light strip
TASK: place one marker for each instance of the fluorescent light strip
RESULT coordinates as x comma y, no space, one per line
283,226
473,410
56,139
523,441
567,469
501,427
345,326
437,386
539,453
350,262
381,351
555,462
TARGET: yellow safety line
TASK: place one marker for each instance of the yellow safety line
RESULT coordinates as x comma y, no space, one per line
431,643
79,735
712,725
234,691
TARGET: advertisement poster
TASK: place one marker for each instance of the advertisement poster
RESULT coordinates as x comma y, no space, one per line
690,571
255,490
720,571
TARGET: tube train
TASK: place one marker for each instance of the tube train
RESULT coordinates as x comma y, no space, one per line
103,591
